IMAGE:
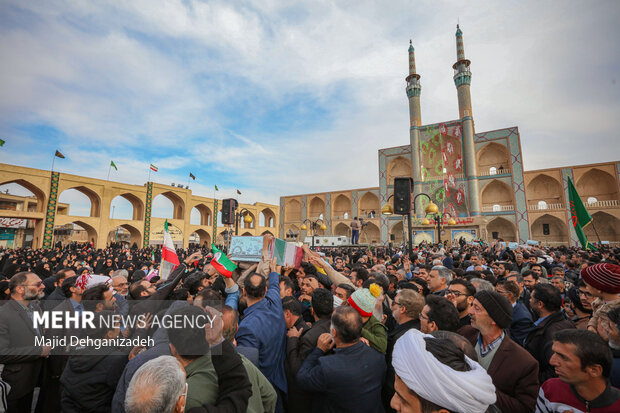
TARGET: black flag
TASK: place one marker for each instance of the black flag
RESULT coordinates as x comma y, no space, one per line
191,175
60,155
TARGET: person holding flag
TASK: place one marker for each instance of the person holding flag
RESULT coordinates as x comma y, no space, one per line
169,258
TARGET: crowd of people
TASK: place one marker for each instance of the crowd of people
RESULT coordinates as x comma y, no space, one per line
464,328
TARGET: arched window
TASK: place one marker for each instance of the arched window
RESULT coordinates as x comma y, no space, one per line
497,208
592,200
542,205
346,215
321,216
492,170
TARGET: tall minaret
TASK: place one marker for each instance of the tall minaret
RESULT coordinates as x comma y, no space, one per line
462,80
413,90
415,116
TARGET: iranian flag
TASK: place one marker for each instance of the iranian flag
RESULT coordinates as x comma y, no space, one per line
222,263
169,258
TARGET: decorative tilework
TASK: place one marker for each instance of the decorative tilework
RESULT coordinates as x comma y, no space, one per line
281,233
328,213
383,225
518,185
355,197
48,234
304,215
147,215
566,173
215,212
496,134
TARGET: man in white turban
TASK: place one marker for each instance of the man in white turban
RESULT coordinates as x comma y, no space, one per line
434,375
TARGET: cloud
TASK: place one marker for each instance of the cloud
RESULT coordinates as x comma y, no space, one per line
278,98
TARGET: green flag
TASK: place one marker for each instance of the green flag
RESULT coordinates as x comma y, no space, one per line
216,188
113,166
1,142
580,216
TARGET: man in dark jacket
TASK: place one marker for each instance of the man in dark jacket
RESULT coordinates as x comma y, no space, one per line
522,322
57,296
263,328
349,380
22,359
299,344
546,303
513,370
406,308
91,375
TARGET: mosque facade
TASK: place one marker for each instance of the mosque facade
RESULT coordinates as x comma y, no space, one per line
476,178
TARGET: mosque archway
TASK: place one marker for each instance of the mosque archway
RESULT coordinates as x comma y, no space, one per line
599,184
168,205
399,166
607,226
492,155
549,229
200,215
369,206
293,210
501,228
544,188
317,208
83,201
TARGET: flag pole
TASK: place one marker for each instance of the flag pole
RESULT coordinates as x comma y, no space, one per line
595,231
53,160
109,170
149,174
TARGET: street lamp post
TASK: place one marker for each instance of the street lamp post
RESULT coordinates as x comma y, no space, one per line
247,218
432,211
388,210
314,225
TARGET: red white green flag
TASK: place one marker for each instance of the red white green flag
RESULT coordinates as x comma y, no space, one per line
222,263
169,258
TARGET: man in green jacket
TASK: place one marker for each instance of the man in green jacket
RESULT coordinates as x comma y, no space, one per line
374,333
190,347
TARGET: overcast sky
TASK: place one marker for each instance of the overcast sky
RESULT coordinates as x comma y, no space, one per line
277,97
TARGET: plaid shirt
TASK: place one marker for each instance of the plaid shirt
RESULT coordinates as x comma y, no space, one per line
484,350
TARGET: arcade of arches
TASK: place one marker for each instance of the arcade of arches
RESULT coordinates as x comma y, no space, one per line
101,212
545,211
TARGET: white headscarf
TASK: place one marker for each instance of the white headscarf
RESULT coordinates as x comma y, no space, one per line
86,281
459,391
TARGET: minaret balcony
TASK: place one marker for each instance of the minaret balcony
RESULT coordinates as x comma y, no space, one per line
413,90
462,77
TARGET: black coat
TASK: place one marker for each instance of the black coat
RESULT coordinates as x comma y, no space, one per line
21,358
540,340
297,349
89,380
522,323
349,380
52,300
392,337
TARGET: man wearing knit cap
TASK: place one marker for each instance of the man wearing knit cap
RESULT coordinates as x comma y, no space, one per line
364,301
513,370
603,282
